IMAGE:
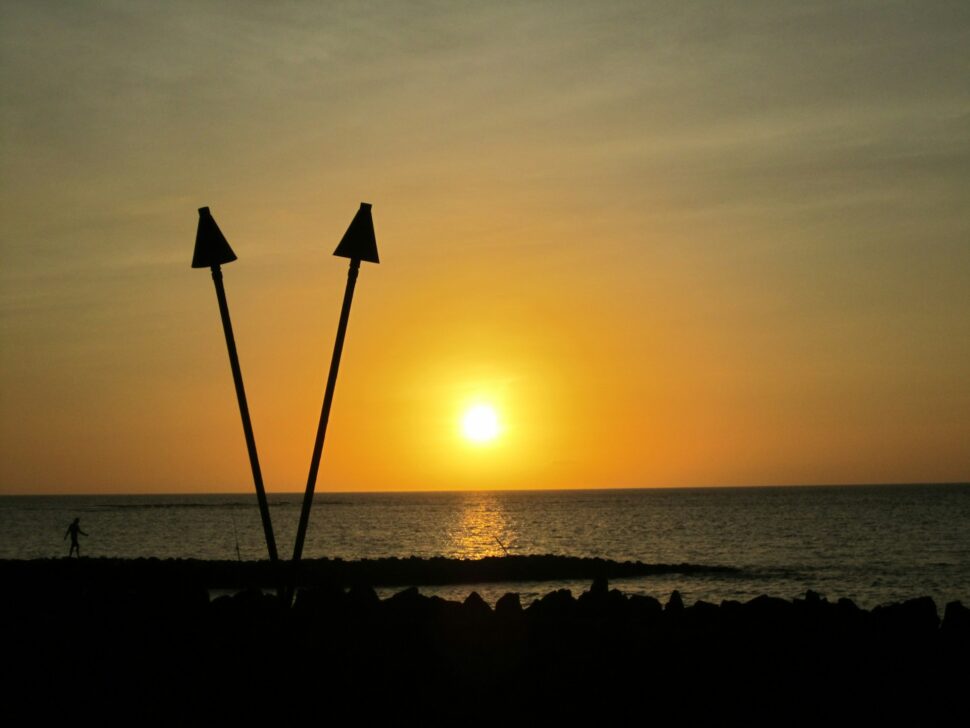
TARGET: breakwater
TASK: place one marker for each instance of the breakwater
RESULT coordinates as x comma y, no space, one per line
390,571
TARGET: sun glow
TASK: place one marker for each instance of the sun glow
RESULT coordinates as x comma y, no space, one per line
480,424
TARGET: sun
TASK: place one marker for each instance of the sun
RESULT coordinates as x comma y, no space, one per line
480,423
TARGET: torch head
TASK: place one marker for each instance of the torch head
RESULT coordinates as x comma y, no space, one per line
211,247
359,241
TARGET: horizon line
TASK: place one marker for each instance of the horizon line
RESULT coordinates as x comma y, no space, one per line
494,490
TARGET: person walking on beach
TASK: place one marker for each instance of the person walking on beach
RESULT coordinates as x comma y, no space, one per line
74,529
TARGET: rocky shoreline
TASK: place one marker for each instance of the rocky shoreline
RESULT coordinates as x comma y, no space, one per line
99,637
315,572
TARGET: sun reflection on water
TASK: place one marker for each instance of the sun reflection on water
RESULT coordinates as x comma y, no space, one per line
482,528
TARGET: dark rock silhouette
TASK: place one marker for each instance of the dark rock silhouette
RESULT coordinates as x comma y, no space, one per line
956,620
476,608
508,606
151,639
675,603
913,617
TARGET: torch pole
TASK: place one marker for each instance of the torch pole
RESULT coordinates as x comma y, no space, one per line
244,413
325,411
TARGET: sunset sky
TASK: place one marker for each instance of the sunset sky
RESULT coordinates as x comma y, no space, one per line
668,243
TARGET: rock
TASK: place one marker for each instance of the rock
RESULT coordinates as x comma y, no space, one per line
474,607
617,604
703,616
558,604
645,607
766,614
594,603
508,606
675,603
846,606
813,597
363,599
409,603
510,620
956,620
319,600
912,617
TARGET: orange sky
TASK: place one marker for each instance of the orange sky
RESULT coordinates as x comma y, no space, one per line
672,245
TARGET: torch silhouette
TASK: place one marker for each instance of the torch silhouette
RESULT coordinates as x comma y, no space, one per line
211,251
358,243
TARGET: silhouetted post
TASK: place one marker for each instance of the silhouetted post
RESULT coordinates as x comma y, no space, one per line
211,251
358,243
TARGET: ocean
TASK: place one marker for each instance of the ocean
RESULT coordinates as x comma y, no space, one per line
873,544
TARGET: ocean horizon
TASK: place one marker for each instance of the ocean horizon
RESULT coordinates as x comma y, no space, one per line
869,543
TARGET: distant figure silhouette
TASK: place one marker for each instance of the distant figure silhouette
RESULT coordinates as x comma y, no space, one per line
74,529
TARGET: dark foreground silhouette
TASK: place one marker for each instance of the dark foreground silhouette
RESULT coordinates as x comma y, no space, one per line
142,648
315,572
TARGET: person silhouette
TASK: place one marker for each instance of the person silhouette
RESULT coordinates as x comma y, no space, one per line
74,529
